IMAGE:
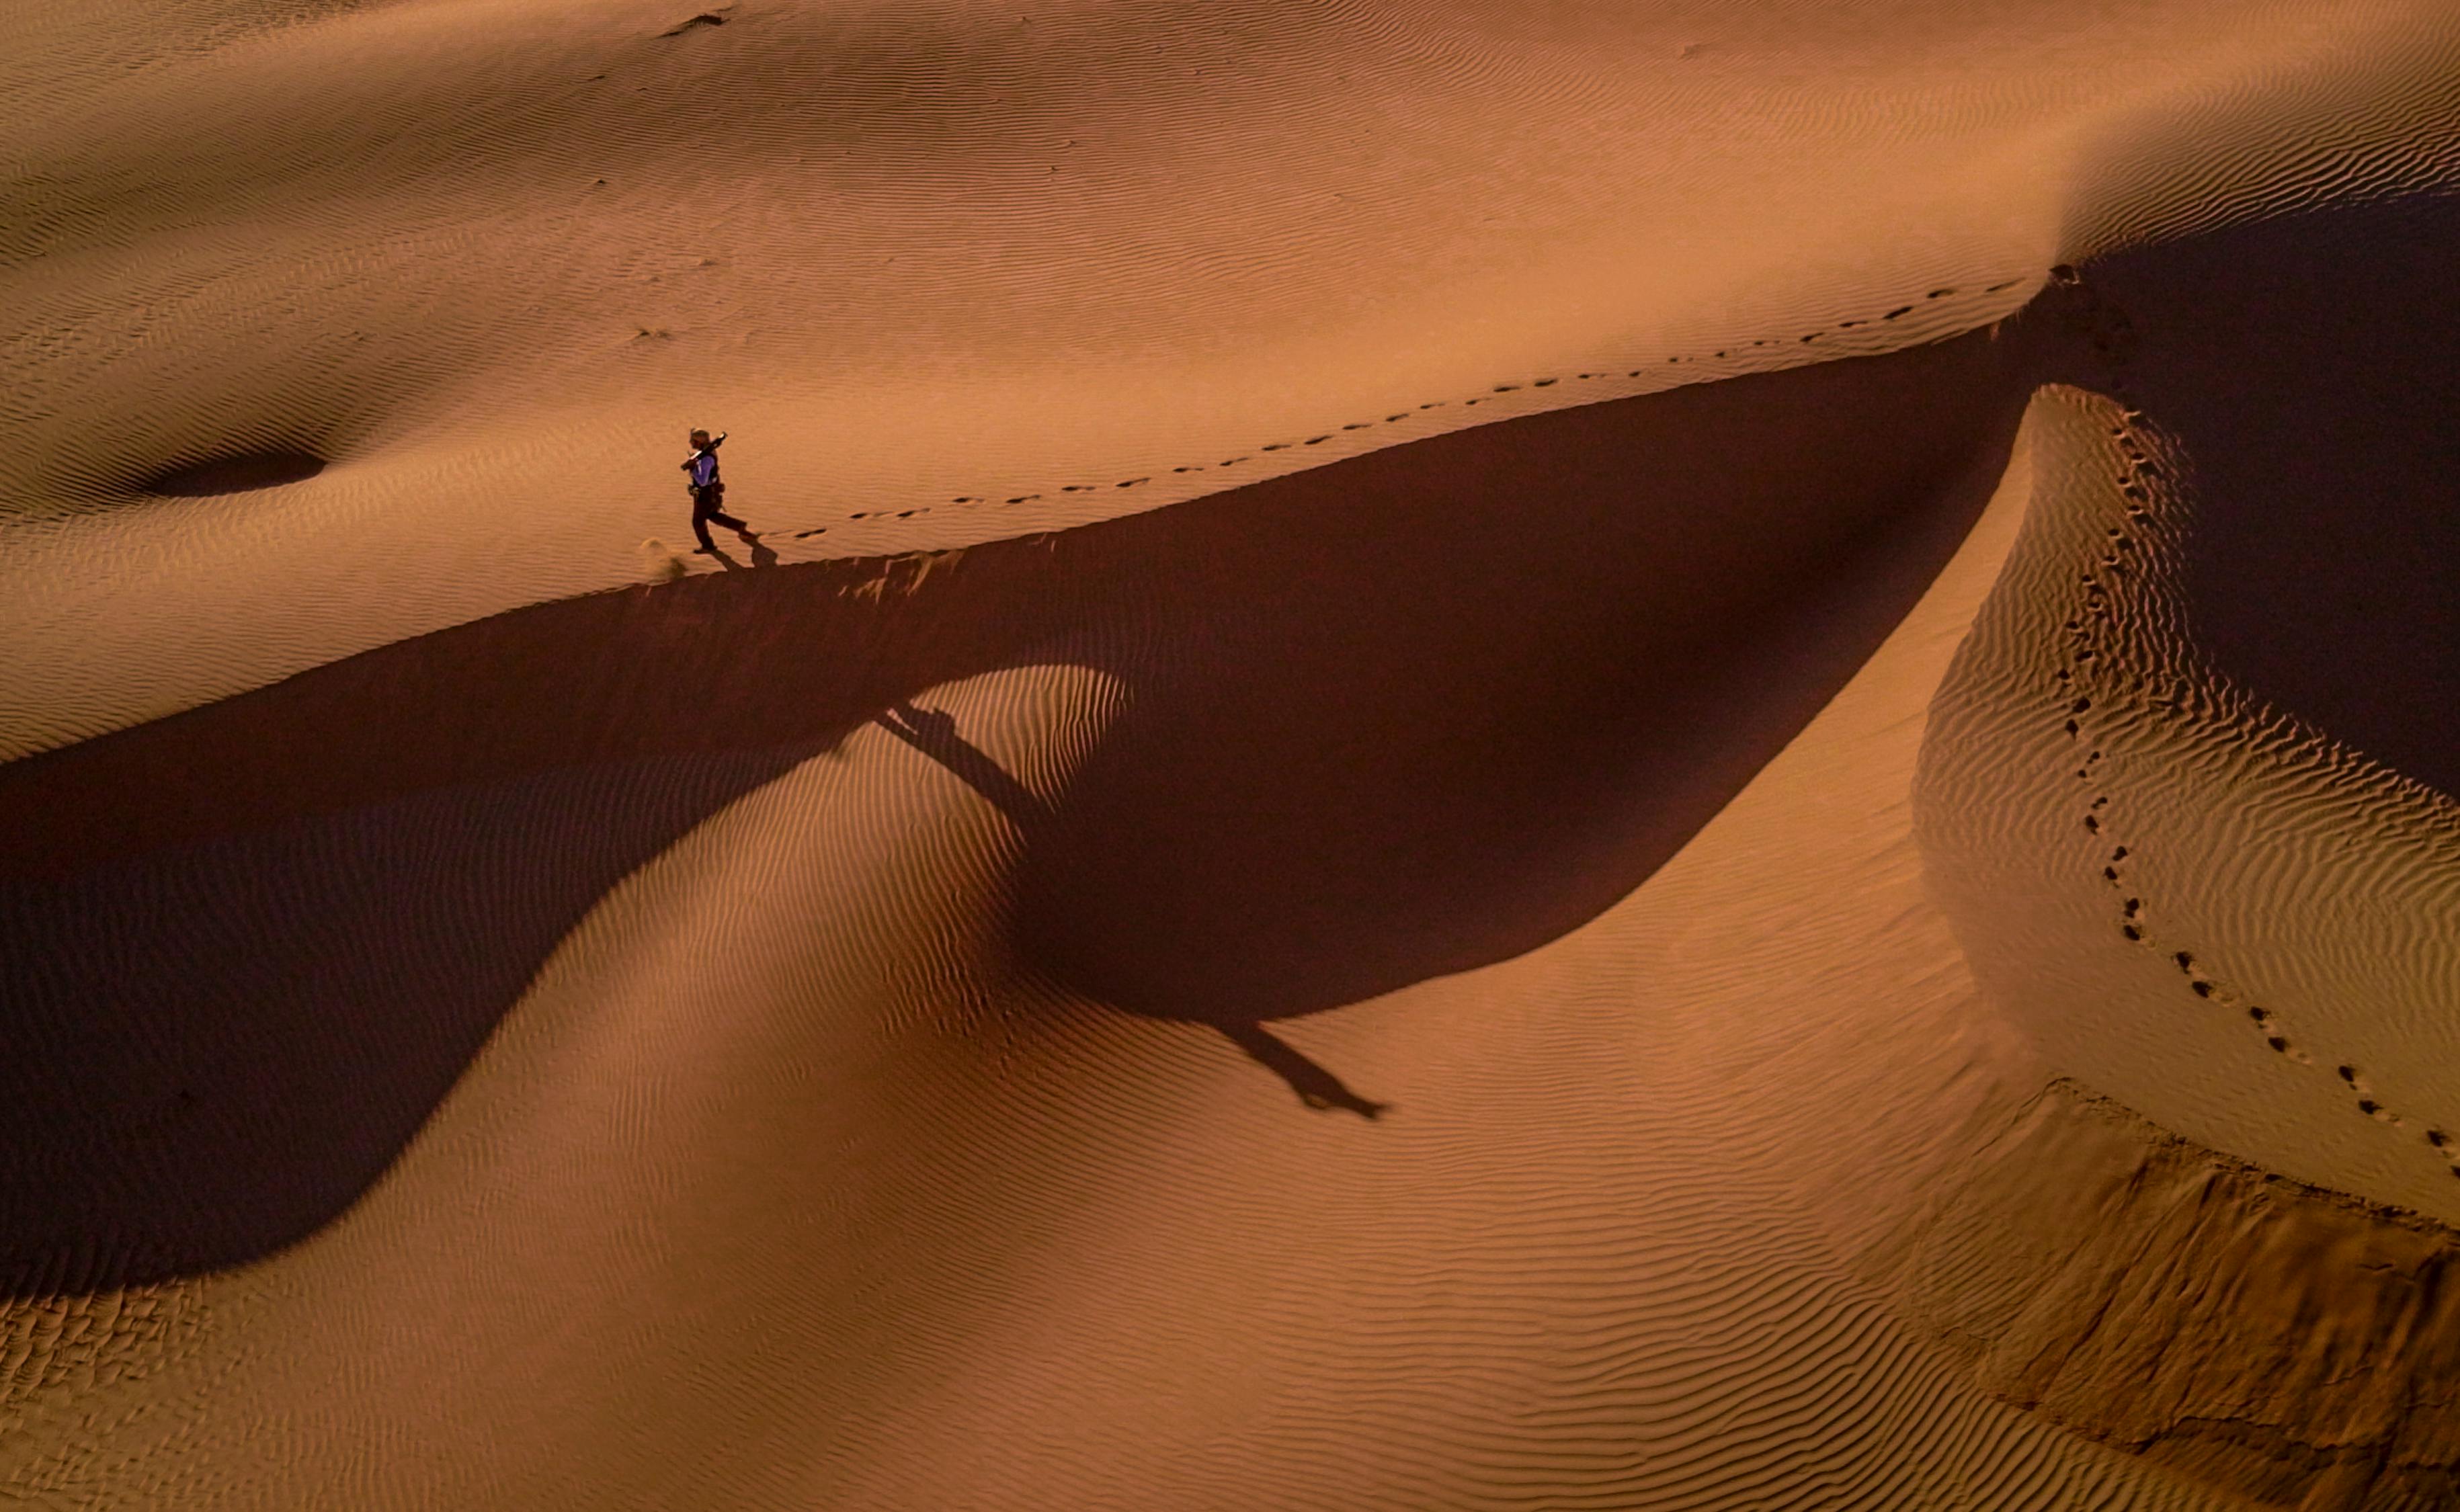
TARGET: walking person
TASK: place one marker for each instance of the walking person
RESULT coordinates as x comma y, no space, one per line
709,492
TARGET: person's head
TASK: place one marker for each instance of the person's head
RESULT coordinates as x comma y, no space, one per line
700,438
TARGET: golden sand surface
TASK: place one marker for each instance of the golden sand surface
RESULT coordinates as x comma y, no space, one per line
1478,755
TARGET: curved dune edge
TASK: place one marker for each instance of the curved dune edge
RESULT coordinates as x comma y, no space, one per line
259,941
2292,1344
2188,796
676,1033
958,257
1301,998
790,1152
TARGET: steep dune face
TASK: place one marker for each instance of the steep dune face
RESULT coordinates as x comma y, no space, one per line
1399,717
1337,758
1291,876
2189,629
2187,799
796,1177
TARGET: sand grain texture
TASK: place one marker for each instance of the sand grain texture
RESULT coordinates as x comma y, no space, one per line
1689,755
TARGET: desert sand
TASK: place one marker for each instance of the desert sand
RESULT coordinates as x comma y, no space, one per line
1520,755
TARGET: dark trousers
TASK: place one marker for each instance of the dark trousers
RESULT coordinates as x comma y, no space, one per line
705,512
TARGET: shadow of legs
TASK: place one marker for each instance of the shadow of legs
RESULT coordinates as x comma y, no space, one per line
1316,1086
934,733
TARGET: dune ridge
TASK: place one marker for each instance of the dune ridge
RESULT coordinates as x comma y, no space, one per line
1682,755
898,302
2259,837
1009,1217
1241,848
2187,799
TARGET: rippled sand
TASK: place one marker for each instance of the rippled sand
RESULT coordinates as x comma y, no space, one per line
1687,755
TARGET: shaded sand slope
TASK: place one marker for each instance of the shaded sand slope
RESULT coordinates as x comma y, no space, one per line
1394,718
792,1181
2299,370
1409,984
2187,799
2232,590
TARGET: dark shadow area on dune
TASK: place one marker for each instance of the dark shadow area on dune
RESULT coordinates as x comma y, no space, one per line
1316,1086
934,733
2308,365
1403,715
763,554
238,474
1465,698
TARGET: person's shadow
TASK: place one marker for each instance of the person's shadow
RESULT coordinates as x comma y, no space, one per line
934,733
763,554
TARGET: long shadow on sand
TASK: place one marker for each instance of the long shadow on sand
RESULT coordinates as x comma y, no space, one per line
934,733
1407,714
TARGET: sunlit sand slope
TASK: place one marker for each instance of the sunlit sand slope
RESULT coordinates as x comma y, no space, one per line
953,272
857,1151
1690,755
2188,797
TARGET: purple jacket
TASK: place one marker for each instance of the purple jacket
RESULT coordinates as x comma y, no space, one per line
701,467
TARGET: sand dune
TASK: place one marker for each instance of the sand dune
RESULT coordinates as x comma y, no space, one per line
2238,583
931,262
2189,801
1558,1211
1284,818
1672,756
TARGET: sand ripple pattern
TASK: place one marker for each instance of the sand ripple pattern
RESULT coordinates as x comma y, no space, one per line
2293,1345
2294,895
1399,980
2107,611
942,1061
2203,903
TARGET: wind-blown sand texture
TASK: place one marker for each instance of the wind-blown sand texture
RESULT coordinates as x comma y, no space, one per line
1663,755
